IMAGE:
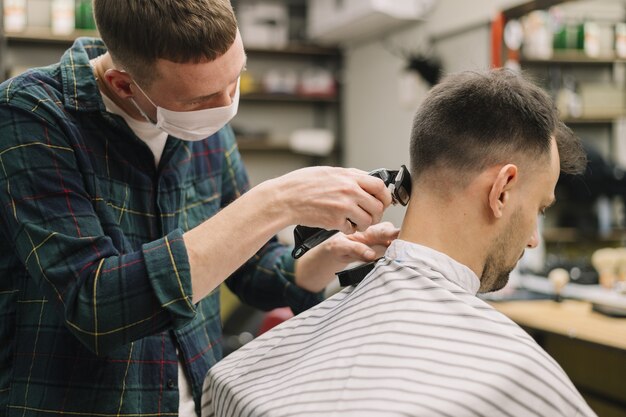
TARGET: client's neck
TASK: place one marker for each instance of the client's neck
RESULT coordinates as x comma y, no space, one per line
451,227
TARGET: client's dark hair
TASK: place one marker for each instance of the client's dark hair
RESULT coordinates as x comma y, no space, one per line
473,120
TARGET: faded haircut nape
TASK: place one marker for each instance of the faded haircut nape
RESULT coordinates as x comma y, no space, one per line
473,120
138,32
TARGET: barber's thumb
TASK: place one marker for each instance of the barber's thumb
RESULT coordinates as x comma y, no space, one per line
373,252
390,233
383,233
362,252
369,255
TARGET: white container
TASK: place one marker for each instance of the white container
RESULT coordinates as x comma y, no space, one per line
312,141
264,25
599,39
62,16
14,15
537,35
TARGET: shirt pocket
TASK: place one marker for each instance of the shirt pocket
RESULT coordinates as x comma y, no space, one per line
126,214
116,196
202,201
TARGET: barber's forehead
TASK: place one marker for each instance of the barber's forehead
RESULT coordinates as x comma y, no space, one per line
224,67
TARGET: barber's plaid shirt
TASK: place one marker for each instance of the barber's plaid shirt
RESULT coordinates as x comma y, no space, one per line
95,291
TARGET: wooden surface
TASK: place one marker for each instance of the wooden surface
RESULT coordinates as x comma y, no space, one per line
573,319
589,346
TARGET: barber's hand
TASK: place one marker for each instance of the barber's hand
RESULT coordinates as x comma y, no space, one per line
343,199
317,268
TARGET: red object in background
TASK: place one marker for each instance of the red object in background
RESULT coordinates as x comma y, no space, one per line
497,34
274,318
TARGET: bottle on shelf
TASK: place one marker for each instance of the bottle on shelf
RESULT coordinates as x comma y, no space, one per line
62,17
84,15
14,15
620,39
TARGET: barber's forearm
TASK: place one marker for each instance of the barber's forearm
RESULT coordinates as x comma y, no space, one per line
219,246
332,198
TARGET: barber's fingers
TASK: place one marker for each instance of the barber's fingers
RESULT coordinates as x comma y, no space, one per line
378,234
329,197
362,215
352,251
373,186
373,198
360,222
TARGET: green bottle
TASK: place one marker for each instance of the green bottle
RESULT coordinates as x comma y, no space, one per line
84,15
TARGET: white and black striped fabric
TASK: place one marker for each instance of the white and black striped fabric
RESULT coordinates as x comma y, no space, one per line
412,339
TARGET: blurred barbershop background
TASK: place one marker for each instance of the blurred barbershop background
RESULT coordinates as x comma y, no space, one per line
337,82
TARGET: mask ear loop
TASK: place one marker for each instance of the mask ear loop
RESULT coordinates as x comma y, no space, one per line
143,92
132,100
143,113
139,109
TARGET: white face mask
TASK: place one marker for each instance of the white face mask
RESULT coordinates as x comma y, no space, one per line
192,125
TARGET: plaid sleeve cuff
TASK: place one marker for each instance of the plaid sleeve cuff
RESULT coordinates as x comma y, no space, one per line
169,273
298,299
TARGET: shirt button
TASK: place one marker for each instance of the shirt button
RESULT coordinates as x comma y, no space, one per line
170,384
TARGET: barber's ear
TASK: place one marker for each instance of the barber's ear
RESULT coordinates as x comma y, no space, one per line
500,188
120,82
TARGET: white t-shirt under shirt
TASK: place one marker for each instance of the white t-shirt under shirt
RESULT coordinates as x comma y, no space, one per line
412,339
155,138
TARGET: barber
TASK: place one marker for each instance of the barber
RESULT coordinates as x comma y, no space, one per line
125,205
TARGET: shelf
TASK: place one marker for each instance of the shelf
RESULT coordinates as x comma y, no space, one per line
573,235
573,57
591,121
560,234
246,145
45,36
286,98
298,51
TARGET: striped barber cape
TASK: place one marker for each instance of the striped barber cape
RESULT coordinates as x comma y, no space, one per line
412,339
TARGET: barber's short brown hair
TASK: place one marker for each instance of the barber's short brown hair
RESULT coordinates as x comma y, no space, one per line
473,120
138,32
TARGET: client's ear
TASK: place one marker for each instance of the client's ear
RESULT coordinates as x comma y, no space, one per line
499,192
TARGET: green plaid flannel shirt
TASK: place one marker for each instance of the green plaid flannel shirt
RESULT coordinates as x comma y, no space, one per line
95,291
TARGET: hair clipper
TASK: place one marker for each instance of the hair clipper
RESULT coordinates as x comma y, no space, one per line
398,182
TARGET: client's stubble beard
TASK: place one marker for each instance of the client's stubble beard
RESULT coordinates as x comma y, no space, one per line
496,270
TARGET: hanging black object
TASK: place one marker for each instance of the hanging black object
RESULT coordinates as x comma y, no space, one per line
428,68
